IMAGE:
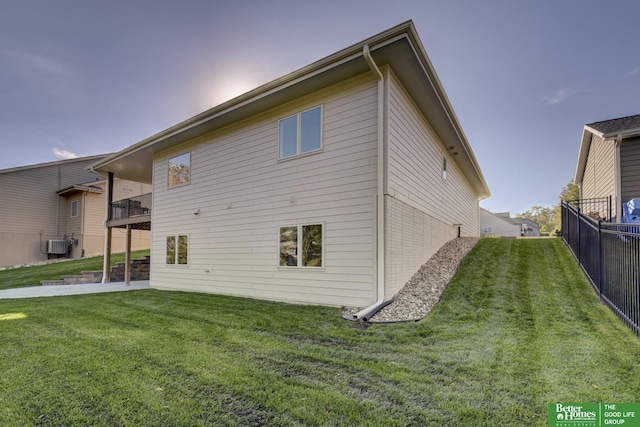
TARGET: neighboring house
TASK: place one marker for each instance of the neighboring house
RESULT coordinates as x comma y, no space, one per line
59,202
501,224
528,227
330,185
498,224
609,164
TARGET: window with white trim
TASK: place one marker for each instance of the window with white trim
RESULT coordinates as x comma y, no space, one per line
74,209
179,172
177,250
301,246
300,133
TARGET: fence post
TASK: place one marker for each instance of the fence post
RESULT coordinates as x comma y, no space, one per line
600,259
579,245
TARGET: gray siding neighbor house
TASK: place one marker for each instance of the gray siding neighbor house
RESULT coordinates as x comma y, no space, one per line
609,162
60,203
501,224
498,224
330,185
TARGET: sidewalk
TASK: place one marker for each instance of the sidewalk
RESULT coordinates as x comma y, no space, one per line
61,290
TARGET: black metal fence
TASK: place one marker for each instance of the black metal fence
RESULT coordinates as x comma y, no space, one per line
132,207
599,208
609,253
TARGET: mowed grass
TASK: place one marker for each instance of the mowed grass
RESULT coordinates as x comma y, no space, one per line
31,276
517,328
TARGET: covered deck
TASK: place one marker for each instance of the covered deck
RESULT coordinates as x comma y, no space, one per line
133,213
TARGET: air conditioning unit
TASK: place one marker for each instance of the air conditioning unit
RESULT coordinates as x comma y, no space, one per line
56,247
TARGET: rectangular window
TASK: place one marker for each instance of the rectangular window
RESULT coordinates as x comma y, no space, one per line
444,168
74,209
301,133
177,250
304,238
288,246
179,172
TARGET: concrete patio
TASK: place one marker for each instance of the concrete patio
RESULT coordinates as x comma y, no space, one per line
62,290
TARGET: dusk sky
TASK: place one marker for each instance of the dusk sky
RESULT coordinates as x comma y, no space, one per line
83,77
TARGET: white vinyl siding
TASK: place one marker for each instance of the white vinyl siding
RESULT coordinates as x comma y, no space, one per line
245,194
422,206
599,178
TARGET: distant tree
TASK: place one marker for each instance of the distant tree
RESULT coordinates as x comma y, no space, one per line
543,215
549,218
570,192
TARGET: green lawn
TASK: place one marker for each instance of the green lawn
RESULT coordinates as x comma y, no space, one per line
31,276
518,327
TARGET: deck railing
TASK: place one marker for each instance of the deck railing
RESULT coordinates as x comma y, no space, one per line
609,254
132,207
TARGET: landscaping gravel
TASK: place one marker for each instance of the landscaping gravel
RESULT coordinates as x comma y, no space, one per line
423,291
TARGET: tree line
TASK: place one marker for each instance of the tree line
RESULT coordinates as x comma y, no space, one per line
549,217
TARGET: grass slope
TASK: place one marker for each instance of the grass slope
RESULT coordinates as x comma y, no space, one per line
517,328
31,276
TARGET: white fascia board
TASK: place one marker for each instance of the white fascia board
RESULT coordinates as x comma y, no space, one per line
585,146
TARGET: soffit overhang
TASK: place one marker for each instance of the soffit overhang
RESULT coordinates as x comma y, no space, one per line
73,189
398,47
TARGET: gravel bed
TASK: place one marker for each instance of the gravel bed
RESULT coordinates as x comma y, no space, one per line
422,292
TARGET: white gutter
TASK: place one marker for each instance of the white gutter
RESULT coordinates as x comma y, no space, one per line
367,312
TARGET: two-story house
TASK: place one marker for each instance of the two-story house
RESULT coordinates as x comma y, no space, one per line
330,185
57,209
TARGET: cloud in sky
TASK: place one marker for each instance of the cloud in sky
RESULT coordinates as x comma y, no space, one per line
560,95
64,154
634,71
27,62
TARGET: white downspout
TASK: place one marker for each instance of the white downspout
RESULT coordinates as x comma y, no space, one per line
82,221
367,312
618,202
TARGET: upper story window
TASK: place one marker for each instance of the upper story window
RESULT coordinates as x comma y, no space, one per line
74,209
179,170
300,133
